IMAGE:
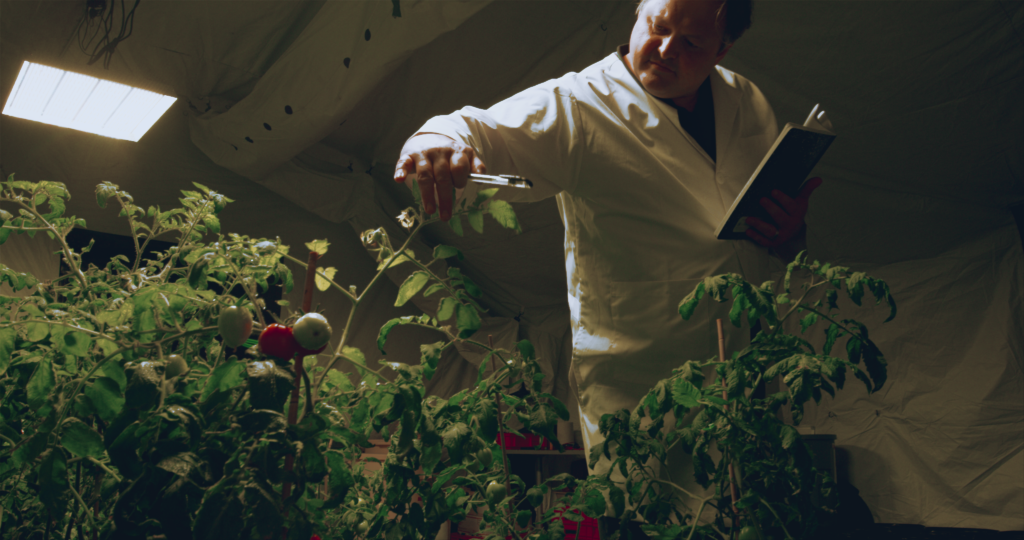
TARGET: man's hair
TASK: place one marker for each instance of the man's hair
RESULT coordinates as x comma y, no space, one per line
736,14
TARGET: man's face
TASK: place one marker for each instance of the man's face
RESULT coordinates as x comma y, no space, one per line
674,46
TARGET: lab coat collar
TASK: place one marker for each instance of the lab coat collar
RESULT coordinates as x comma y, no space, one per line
724,94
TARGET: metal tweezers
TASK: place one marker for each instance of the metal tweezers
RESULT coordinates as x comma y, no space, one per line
502,180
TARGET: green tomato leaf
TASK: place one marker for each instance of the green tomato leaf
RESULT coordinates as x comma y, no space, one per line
833,333
323,284
53,481
693,373
28,452
689,304
37,332
685,393
7,338
875,364
560,409
76,343
484,195
226,377
467,320
212,223
595,503
446,308
476,220
40,385
735,381
357,356
382,336
503,213
339,379
443,252
319,246
411,286
854,287
456,221
789,436
808,321
740,303
80,439
340,480
433,289
105,395
455,438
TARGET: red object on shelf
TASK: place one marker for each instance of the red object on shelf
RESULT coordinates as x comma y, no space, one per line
456,535
587,528
524,442
513,441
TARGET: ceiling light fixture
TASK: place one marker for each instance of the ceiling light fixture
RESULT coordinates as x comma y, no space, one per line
62,98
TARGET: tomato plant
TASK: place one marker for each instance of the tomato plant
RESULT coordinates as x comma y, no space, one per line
130,410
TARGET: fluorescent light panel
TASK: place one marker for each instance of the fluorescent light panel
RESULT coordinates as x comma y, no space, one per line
71,100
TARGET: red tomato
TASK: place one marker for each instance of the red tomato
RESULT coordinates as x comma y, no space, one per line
277,341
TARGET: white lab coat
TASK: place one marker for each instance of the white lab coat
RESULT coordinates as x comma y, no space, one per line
640,201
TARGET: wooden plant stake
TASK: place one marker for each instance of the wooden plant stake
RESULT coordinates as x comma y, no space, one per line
293,407
725,395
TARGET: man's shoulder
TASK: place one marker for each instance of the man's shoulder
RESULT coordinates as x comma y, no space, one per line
738,82
601,69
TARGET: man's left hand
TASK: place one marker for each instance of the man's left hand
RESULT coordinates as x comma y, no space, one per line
789,218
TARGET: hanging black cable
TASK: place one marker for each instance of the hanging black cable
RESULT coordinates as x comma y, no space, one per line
95,29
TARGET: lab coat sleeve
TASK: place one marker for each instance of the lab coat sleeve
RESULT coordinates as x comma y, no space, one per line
535,134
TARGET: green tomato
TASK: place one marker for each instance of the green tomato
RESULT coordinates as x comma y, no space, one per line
748,533
485,457
495,493
363,527
535,496
175,366
235,325
312,331
473,466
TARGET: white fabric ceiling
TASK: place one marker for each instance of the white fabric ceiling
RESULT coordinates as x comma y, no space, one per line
926,98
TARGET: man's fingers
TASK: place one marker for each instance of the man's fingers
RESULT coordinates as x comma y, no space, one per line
760,226
443,185
478,165
425,180
403,168
788,204
461,161
758,237
778,214
809,187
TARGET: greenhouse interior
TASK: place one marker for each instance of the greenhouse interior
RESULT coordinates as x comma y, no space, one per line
495,269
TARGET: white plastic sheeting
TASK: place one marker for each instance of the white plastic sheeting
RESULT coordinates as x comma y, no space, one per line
925,97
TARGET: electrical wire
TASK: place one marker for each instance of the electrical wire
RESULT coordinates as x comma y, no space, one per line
95,28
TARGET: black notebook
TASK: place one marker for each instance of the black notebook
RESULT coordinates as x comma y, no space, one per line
795,153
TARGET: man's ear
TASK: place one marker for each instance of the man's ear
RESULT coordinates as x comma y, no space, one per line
721,52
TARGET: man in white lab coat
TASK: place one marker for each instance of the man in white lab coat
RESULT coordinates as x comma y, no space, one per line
645,151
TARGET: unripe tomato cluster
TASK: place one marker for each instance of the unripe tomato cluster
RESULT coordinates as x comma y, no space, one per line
308,336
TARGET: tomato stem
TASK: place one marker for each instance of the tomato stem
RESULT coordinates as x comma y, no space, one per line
293,407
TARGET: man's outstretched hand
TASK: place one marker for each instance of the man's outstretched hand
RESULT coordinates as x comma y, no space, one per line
440,163
789,218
